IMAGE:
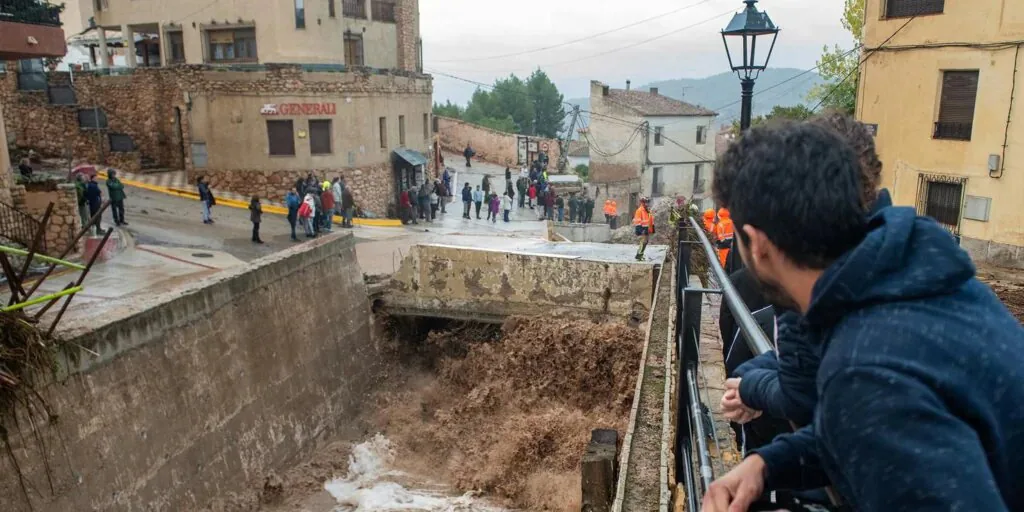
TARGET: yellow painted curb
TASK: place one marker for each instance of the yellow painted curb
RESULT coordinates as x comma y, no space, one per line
382,223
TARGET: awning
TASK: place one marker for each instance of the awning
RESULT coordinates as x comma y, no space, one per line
411,156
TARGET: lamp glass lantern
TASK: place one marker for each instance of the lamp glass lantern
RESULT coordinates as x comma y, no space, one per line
749,40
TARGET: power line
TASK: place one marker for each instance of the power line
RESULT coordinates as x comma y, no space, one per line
859,64
574,41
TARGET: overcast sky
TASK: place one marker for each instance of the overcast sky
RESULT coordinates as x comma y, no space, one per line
463,37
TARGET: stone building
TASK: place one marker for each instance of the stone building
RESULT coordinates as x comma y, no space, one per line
247,94
941,85
643,143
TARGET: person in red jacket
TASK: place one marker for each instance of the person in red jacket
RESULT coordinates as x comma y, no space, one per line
406,204
327,200
532,193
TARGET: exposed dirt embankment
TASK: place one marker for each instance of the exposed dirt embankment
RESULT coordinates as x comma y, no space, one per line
510,412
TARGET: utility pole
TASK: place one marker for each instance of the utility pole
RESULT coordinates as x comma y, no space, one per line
563,155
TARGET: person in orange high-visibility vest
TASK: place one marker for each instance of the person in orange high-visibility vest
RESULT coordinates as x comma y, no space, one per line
709,221
724,233
643,226
608,211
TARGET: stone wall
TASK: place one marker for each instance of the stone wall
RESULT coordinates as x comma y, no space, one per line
372,188
195,397
490,145
64,221
407,17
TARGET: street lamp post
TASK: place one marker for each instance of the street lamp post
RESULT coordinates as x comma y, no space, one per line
741,37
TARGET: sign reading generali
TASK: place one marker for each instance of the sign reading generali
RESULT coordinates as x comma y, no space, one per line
299,109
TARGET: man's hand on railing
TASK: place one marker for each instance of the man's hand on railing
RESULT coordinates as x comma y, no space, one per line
732,405
738,489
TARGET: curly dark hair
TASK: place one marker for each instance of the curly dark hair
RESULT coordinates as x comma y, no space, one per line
863,143
800,184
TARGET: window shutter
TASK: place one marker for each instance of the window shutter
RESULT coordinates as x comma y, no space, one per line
281,138
904,8
959,92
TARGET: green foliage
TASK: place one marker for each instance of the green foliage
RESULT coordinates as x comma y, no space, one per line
796,113
449,109
531,107
841,72
583,171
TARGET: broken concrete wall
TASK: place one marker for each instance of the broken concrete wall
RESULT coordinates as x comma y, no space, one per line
457,282
593,233
196,397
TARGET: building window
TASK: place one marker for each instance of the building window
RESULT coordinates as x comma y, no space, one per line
330,9
657,185
956,106
94,118
941,197
657,136
383,10
384,132
354,9
320,136
401,130
300,13
906,8
121,143
354,50
100,5
175,48
426,126
698,182
281,137
702,135
237,45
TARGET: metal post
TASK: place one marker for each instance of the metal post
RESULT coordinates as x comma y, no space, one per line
706,473
747,97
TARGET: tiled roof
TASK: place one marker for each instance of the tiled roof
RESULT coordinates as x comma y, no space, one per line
579,149
655,104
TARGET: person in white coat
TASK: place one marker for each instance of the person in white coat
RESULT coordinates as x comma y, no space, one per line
506,205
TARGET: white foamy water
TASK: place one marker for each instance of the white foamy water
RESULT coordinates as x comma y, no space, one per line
371,484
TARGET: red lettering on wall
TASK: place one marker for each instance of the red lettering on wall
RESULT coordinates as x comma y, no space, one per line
294,109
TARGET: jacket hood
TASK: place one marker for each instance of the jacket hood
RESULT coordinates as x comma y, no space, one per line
903,257
723,213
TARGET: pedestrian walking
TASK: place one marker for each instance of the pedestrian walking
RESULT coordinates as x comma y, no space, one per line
506,204
478,199
255,216
292,201
560,207
724,234
468,153
486,183
442,196
508,175
643,227
521,185
307,214
408,211
423,198
348,208
327,199
115,191
531,193
467,200
574,207
588,209
495,206
206,199
318,204
549,204
433,202
95,199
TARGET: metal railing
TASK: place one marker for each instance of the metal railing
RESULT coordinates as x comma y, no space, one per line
691,437
18,226
33,12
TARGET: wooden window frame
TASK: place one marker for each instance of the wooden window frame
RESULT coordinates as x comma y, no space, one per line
354,9
953,121
208,44
382,126
270,137
384,11
313,149
356,39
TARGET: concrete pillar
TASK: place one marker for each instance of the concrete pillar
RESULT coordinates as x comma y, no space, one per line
128,38
102,61
6,172
164,44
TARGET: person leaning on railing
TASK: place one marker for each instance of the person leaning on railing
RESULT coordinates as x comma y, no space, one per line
920,375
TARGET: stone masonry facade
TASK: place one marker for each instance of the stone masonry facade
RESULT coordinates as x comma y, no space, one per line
151,106
407,21
490,145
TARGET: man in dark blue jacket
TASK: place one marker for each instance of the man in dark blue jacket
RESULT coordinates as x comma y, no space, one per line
921,375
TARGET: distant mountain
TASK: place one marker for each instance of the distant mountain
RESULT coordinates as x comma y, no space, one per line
722,92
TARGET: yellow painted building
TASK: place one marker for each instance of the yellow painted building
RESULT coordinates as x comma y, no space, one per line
944,83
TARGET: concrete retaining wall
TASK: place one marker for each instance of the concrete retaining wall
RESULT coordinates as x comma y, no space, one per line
197,396
595,233
490,145
477,284
994,253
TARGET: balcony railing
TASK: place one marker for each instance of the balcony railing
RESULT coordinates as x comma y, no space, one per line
32,12
953,131
354,9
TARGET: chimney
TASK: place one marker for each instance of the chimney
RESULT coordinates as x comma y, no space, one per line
604,91
627,85
654,91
